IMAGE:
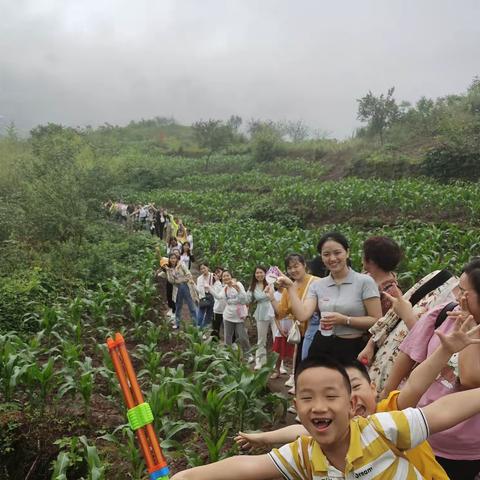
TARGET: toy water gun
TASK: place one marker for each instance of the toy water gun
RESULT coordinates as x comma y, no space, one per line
139,413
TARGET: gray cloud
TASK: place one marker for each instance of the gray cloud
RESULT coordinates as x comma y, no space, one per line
112,61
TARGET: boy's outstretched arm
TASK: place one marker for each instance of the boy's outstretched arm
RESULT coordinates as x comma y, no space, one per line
267,439
425,374
450,410
245,467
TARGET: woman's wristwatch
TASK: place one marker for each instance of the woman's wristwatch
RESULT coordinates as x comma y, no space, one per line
348,321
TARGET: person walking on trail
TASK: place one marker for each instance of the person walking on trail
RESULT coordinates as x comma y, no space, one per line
348,301
235,313
296,268
186,255
160,220
181,278
206,300
263,315
219,304
284,349
181,233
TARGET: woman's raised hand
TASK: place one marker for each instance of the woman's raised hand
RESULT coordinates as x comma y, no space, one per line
401,306
284,281
462,335
269,291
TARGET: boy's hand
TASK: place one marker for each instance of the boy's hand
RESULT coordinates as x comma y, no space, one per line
461,335
367,354
247,441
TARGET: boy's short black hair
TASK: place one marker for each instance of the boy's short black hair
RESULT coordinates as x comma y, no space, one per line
324,361
354,363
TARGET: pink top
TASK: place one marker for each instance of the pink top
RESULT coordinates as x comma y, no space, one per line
461,442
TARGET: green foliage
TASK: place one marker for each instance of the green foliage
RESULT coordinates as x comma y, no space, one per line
74,452
454,160
9,424
214,135
380,112
266,146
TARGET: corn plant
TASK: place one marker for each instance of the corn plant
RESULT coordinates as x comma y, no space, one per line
81,382
166,394
126,444
13,364
211,406
98,305
44,377
96,469
151,357
137,310
74,452
70,455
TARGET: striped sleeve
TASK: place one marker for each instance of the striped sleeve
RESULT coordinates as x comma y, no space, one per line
289,461
406,428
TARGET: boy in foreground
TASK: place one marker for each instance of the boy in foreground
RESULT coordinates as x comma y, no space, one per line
419,381
339,446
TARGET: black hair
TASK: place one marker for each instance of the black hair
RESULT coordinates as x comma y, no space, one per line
472,269
324,361
354,363
383,251
171,254
253,282
205,263
336,237
294,257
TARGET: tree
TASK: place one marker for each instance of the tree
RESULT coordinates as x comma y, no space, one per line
214,135
234,122
380,112
297,130
61,184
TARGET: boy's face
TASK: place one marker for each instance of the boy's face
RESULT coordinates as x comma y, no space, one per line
324,405
364,392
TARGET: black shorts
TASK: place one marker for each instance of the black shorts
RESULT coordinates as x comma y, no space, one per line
345,349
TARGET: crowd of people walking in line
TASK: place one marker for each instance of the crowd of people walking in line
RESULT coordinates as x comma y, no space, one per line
371,333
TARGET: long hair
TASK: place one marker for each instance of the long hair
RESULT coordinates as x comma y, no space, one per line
253,282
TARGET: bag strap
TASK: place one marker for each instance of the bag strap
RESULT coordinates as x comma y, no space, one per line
306,288
442,316
435,282
439,279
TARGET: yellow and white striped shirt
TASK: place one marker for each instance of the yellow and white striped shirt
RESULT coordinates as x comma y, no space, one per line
375,451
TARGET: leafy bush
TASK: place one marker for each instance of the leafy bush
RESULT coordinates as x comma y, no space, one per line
266,146
454,160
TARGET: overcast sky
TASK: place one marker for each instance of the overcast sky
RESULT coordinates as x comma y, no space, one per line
94,61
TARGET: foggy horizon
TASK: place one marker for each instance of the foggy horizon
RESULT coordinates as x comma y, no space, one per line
113,62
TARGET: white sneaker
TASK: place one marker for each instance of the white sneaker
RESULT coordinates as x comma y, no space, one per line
251,359
283,370
292,409
174,326
169,312
290,382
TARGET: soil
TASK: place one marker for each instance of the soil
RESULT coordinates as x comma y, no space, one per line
32,447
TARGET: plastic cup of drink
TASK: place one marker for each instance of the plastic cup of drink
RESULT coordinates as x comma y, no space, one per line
325,330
